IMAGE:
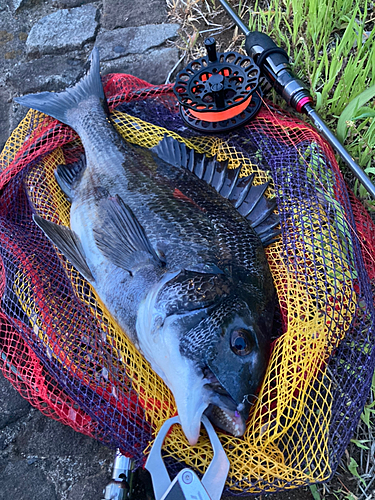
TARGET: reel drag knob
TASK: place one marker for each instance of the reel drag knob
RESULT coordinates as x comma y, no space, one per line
217,92
216,88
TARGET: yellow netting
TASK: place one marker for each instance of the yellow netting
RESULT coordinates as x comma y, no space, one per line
286,437
147,135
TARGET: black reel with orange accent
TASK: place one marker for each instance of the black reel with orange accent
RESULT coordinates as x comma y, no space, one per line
218,92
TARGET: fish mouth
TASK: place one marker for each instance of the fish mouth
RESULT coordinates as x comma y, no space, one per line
227,420
223,411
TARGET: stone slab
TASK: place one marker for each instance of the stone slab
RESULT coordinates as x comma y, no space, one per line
136,40
49,460
90,488
51,73
13,34
21,4
154,66
13,406
44,437
123,13
4,122
63,30
24,482
69,4
17,4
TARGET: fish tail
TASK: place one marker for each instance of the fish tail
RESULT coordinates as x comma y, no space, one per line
58,104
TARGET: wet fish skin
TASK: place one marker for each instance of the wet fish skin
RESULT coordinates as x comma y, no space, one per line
180,270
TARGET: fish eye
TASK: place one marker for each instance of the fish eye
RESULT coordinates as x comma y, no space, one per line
240,342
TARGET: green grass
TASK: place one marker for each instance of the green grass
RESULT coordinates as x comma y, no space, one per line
331,45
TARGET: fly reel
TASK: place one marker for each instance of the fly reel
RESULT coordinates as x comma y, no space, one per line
218,92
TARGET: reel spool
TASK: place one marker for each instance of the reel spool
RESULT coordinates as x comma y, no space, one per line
217,92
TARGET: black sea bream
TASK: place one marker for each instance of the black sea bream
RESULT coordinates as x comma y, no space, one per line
182,272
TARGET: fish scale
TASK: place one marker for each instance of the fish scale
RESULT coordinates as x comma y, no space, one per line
228,242
181,271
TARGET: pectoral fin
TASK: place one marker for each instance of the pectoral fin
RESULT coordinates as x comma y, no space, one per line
122,239
68,243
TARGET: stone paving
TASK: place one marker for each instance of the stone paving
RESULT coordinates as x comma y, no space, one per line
44,45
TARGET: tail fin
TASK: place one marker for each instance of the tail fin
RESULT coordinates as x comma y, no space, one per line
58,104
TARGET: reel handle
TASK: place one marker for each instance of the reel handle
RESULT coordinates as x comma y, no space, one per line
273,62
210,44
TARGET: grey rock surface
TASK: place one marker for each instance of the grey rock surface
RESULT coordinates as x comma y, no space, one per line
40,74
13,406
69,4
13,35
17,4
42,459
123,13
5,107
63,30
134,40
88,488
37,485
147,67
42,49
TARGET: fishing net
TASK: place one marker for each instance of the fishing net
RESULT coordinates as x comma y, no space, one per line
62,351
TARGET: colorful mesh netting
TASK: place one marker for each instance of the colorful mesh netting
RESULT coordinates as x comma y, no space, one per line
63,353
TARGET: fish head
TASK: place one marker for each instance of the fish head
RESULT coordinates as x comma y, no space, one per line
231,348
210,347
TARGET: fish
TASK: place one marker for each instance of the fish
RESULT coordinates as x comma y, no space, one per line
173,244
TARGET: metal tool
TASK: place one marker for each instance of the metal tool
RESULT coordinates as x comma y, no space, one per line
118,488
186,485
273,62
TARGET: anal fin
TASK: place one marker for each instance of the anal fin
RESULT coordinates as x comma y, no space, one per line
68,175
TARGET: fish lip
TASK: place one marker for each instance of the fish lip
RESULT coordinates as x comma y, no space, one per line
223,411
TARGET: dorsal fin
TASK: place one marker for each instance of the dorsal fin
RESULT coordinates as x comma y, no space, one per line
248,199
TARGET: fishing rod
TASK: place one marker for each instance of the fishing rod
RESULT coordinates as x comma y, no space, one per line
273,62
